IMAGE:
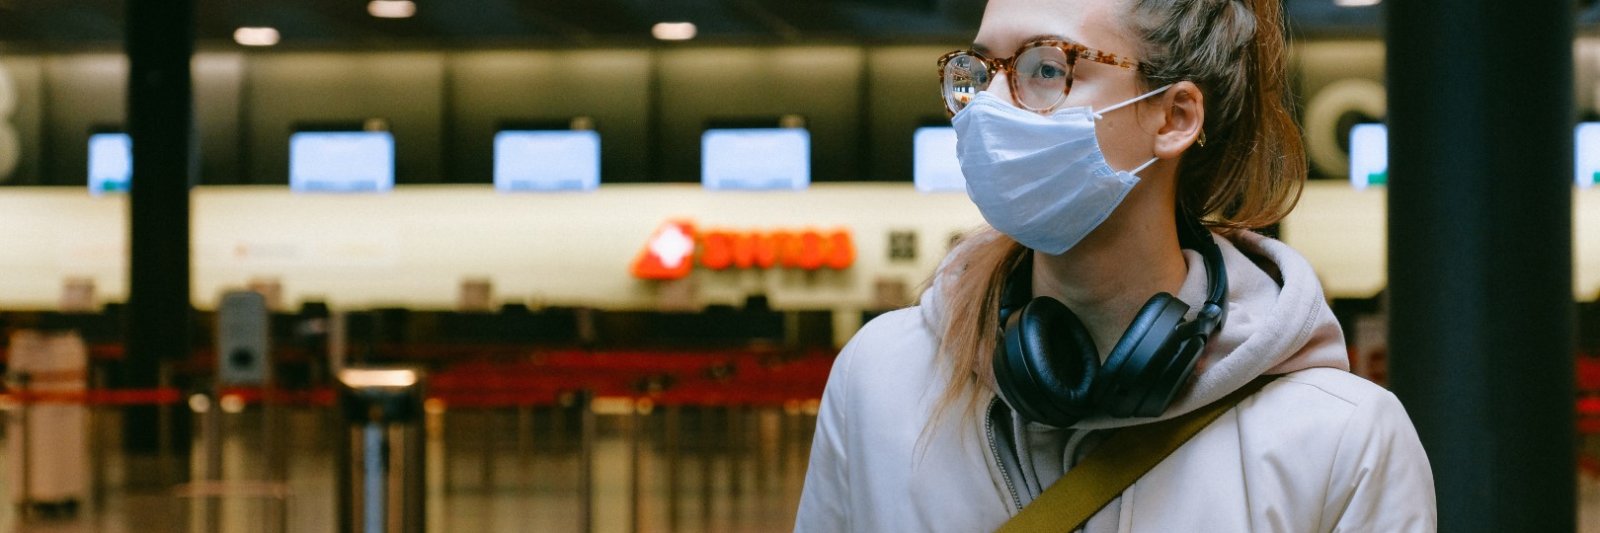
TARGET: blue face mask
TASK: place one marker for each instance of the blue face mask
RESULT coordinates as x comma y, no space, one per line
1041,179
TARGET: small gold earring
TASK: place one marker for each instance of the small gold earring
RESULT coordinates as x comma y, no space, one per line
1202,138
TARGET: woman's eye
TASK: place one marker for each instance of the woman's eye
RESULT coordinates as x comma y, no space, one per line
1049,72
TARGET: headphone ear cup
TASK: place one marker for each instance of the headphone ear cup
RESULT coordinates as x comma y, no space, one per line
1133,371
1047,365
1175,374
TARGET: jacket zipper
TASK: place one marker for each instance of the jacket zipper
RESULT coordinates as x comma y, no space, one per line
988,423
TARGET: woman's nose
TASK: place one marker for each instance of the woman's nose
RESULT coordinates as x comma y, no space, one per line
1001,87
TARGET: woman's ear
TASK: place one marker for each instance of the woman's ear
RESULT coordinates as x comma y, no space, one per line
1185,117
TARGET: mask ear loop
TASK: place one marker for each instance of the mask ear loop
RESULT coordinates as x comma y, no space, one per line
1146,165
1101,113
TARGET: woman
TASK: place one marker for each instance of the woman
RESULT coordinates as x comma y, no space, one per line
1092,133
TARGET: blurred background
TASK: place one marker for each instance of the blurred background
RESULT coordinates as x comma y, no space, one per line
614,243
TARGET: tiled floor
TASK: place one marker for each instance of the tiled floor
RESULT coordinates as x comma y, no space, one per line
488,471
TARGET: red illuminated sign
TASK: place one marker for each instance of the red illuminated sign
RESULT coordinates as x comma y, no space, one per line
670,253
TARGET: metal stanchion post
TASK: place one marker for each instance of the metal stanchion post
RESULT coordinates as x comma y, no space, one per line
738,458
486,442
736,447
446,481
525,445
707,455
672,430
97,448
272,435
585,404
208,485
165,462
210,411
792,450
25,468
635,430
437,469
211,435
525,461
558,423
760,449
382,466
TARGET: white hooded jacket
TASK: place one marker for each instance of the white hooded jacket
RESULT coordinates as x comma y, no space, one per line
1318,449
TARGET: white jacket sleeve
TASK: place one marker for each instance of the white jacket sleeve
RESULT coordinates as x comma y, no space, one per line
825,500
1381,480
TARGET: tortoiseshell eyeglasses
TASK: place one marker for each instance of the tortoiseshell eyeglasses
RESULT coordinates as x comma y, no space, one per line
1039,74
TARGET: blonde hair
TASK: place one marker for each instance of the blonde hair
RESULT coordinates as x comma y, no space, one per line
1249,174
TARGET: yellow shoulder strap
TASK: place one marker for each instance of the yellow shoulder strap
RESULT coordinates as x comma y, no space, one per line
1114,465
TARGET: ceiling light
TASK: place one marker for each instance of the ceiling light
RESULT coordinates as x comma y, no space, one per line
256,36
392,9
1356,3
673,31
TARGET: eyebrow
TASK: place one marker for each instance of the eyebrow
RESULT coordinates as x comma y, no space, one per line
981,49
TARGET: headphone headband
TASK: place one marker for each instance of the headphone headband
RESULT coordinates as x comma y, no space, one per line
1049,370
1193,235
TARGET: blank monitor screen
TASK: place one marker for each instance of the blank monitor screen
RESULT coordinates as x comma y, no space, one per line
1588,155
1369,155
934,165
341,161
110,163
755,159
546,160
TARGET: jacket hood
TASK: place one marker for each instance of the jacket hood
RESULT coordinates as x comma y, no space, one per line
1278,320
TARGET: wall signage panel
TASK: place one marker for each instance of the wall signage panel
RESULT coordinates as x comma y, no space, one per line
676,247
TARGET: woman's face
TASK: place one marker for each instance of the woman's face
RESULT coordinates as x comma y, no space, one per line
1007,24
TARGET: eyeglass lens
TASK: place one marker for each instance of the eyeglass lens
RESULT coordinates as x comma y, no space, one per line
965,75
1040,81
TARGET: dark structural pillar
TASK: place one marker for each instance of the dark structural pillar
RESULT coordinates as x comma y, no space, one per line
1480,254
160,43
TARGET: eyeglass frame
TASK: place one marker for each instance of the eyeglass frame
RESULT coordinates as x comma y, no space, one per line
1072,50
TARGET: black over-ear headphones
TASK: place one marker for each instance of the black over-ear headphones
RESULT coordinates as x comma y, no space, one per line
1047,366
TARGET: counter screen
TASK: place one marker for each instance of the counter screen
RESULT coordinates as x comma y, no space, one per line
1588,156
341,161
110,163
546,160
756,159
934,165
1369,155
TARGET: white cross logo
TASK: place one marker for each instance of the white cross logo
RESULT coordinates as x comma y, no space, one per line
672,246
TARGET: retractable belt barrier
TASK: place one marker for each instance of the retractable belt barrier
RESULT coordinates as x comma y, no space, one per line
667,379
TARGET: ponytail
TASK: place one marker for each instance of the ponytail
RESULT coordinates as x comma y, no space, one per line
1252,170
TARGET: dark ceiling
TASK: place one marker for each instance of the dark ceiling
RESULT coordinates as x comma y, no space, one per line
62,24
345,23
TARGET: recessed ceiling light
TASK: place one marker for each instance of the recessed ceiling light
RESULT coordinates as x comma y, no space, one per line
392,9
1356,3
256,36
673,31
